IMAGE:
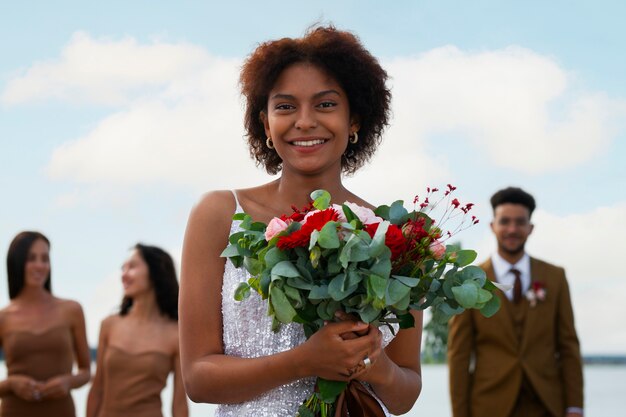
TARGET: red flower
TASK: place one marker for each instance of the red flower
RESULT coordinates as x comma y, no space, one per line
297,215
314,222
414,229
456,203
394,239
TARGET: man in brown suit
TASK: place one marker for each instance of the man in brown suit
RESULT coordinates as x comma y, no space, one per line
525,360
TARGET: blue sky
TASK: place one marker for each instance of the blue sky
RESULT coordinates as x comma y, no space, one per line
116,116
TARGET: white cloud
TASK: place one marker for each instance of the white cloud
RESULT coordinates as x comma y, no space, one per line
589,246
517,105
180,116
105,71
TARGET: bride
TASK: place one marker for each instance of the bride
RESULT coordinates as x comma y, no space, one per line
316,109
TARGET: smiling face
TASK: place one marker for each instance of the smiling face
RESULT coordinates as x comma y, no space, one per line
135,275
308,119
37,267
511,225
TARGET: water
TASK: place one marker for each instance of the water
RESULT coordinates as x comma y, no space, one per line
604,394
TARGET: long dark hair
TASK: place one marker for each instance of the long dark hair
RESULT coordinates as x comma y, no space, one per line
162,275
17,258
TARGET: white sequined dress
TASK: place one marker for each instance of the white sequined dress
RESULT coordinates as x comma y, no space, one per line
247,333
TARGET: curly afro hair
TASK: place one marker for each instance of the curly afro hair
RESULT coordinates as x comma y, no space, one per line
342,56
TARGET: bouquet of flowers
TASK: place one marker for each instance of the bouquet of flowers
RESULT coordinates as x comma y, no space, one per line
376,264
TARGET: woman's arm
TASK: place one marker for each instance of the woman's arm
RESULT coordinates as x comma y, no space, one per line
395,374
61,385
179,400
94,399
208,374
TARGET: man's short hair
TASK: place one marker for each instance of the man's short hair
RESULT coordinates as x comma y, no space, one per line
513,195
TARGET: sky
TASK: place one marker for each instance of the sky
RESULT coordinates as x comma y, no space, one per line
116,116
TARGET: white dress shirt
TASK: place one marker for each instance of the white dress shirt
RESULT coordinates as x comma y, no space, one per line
502,269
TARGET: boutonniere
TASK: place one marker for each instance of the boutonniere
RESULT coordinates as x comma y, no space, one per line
536,292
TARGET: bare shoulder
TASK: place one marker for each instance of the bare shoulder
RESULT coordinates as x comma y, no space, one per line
214,204
109,322
207,230
70,308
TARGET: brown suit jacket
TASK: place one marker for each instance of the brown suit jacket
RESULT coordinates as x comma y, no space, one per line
548,354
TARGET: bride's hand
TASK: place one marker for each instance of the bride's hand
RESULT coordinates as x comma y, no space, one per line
328,355
343,316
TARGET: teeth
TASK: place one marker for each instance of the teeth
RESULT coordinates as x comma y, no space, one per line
308,142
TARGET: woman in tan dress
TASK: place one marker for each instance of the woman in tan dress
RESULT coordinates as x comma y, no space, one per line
41,336
138,348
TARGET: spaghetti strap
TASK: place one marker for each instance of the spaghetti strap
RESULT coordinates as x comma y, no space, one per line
238,208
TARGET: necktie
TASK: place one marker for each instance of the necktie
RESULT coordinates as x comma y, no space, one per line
517,286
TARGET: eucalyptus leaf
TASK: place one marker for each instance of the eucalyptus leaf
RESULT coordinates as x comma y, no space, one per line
368,313
378,285
264,283
381,267
483,296
293,294
299,283
403,303
474,273
315,234
447,285
434,285
377,245
350,216
285,269
322,311
396,290
339,287
465,257
382,211
319,292
239,216
355,250
253,266
397,212
466,294
328,238
321,199
491,307
354,277
230,250
408,281
242,292
283,310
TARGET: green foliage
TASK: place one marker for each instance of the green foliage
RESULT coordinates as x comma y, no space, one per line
343,268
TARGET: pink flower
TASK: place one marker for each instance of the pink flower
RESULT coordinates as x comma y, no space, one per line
274,227
365,215
438,249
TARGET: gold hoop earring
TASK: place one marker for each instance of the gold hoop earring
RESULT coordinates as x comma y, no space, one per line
269,143
354,138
